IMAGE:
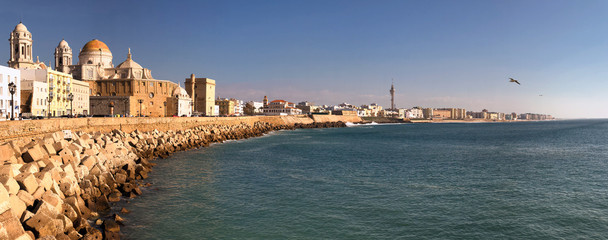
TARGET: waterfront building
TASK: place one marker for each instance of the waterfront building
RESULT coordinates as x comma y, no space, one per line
226,106
282,107
59,87
34,95
81,102
9,103
374,109
184,102
427,113
202,91
254,108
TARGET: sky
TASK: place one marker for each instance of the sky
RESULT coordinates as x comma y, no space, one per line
437,53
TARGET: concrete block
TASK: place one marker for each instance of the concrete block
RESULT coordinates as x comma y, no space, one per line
50,149
52,199
4,199
38,193
6,152
31,167
17,206
33,154
14,229
60,145
27,181
26,197
10,184
46,179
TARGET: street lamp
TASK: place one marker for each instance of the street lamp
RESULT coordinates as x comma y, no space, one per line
50,99
12,87
140,102
71,98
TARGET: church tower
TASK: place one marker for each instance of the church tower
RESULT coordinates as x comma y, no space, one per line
392,91
190,83
20,47
63,57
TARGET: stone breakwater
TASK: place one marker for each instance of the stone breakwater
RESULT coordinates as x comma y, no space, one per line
58,188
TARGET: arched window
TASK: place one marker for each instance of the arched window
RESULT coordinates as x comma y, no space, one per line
90,62
16,49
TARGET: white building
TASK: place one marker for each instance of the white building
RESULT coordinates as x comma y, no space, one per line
35,95
184,102
258,107
7,76
281,107
238,108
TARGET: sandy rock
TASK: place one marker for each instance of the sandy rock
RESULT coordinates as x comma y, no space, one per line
38,193
31,167
93,234
13,228
46,179
53,199
17,206
27,181
26,197
49,148
33,154
10,184
6,152
69,212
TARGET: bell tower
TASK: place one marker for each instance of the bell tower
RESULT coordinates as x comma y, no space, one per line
20,47
63,57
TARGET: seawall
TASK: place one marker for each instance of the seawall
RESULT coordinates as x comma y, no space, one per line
58,188
27,129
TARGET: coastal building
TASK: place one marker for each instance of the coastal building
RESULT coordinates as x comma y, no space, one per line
59,87
80,102
9,103
281,107
253,108
202,91
226,106
34,96
374,109
184,102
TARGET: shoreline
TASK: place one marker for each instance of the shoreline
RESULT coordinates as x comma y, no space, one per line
65,188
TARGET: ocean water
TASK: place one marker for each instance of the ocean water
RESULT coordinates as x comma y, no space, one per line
524,180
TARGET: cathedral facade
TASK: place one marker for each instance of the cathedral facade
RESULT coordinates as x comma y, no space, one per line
127,89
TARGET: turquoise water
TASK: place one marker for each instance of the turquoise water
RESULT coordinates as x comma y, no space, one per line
529,180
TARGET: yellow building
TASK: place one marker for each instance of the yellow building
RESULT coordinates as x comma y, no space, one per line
226,106
59,88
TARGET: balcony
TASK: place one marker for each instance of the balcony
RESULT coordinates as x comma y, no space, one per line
51,86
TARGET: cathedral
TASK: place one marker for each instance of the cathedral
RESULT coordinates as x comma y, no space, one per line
127,89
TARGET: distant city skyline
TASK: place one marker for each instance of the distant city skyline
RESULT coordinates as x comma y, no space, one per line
438,53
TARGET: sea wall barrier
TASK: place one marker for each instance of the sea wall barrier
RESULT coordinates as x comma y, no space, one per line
55,187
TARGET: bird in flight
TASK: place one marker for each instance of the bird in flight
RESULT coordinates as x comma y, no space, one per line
515,81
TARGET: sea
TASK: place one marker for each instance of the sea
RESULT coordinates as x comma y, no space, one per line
516,180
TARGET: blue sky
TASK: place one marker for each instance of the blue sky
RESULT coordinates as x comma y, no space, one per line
439,53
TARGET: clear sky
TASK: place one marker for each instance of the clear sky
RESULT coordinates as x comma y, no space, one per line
439,53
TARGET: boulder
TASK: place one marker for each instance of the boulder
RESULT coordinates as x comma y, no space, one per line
14,230
10,184
26,197
27,181
33,154
17,206
6,152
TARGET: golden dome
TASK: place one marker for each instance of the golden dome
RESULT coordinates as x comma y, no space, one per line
95,45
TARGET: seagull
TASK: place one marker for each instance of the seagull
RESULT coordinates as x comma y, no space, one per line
515,81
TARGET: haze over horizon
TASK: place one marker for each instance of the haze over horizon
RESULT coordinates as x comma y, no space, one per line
439,53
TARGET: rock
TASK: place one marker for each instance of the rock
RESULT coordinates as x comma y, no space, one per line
16,205
69,212
10,184
93,234
4,200
114,196
26,197
111,226
124,211
13,228
98,222
33,154
27,182
50,149
6,152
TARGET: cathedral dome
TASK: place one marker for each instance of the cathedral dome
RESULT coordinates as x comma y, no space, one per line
63,44
20,28
95,45
129,63
179,91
